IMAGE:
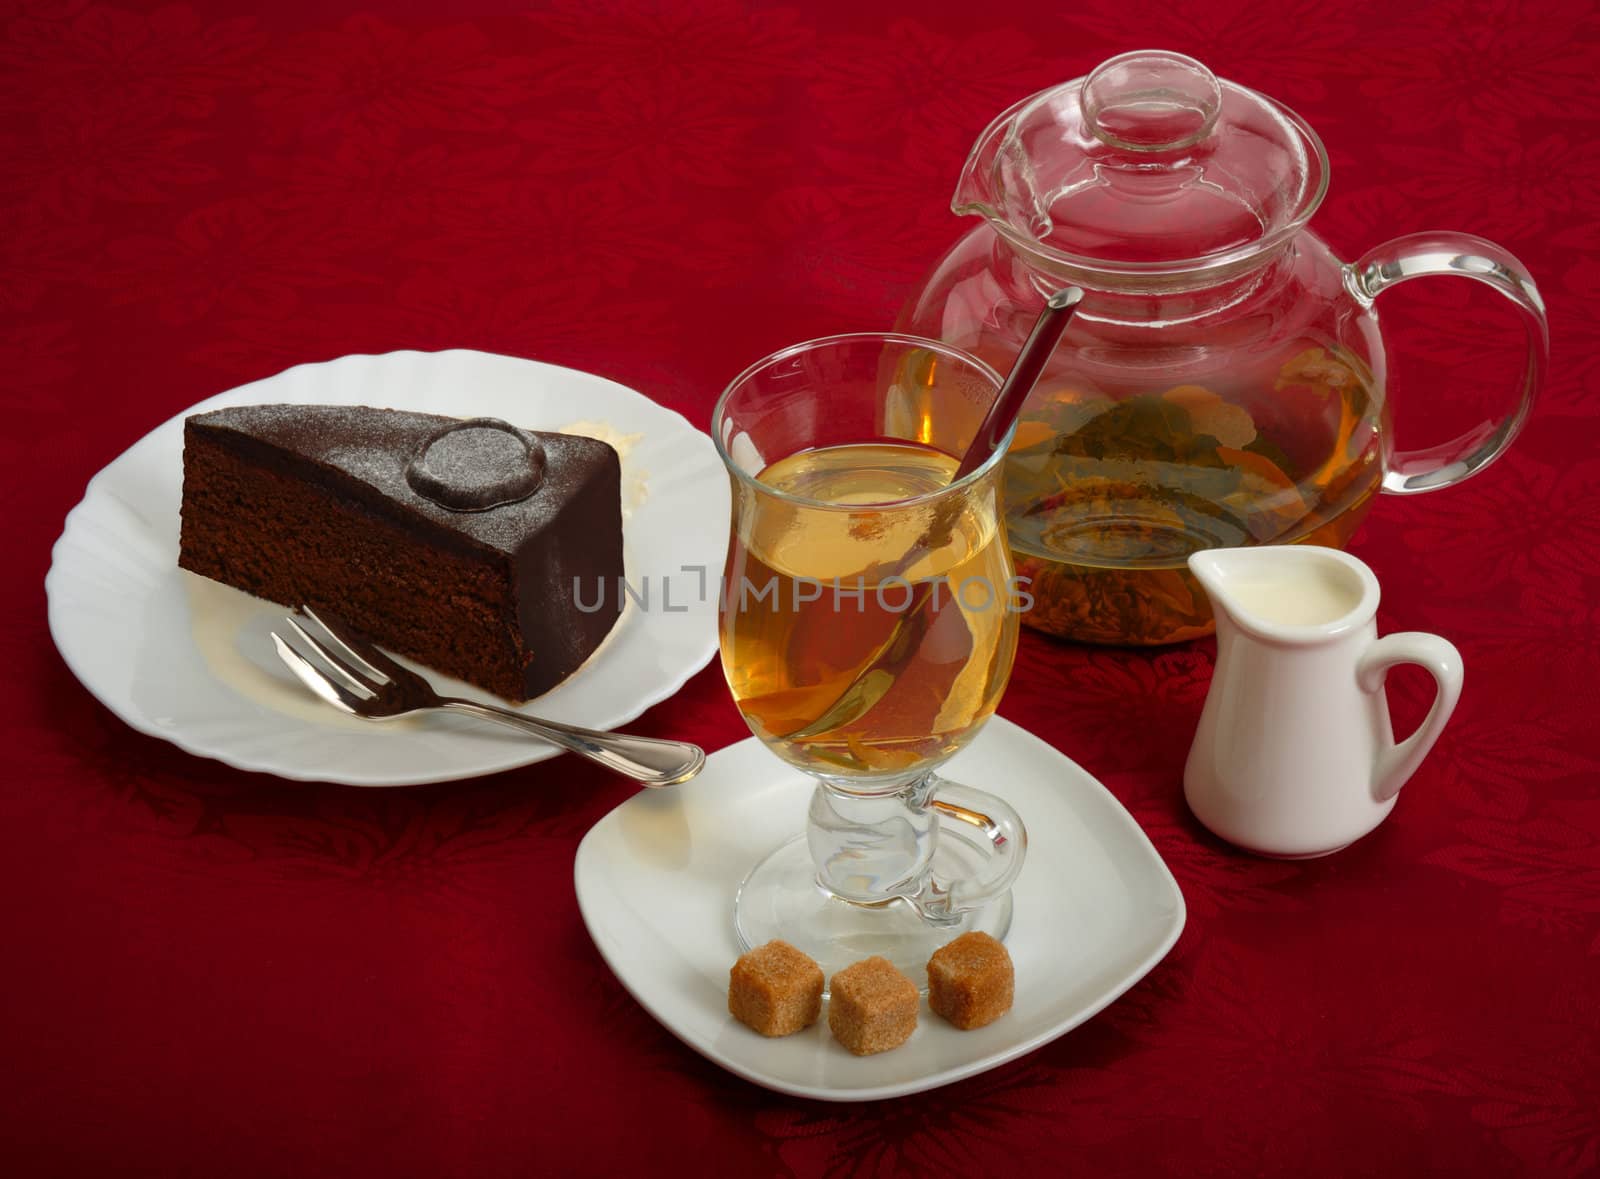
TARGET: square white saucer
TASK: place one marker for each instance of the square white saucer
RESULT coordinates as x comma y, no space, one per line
1095,909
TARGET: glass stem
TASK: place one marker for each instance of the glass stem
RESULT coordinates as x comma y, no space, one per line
871,848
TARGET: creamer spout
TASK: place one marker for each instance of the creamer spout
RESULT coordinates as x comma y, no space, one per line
1291,594
1210,568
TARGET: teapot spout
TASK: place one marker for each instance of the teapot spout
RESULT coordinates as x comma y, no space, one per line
977,191
973,192
969,197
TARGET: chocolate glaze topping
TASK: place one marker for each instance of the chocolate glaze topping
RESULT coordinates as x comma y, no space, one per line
364,453
476,465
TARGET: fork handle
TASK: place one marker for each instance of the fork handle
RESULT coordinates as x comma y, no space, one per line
647,760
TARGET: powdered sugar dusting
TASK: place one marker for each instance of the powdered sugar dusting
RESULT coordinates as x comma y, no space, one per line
375,448
478,465
635,479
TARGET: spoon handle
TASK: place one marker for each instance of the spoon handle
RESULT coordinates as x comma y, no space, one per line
1019,382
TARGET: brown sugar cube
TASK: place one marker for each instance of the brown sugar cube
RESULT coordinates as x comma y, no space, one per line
971,980
872,1007
775,989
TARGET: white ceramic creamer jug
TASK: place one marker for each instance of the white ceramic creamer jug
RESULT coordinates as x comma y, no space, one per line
1295,755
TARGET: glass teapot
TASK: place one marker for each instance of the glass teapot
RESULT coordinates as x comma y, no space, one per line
1223,382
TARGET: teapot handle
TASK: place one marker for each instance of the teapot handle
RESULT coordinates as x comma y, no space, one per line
1465,256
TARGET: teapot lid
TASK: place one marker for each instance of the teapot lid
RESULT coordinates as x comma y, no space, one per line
1150,163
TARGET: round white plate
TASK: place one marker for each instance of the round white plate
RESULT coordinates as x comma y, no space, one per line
182,658
1095,908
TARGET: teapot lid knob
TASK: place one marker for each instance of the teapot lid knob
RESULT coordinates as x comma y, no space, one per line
1151,100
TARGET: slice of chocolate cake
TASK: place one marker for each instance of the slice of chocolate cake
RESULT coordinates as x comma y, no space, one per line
489,553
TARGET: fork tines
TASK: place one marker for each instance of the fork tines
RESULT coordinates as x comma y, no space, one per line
341,670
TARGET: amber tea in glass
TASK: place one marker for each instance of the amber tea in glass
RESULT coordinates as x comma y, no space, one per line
825,591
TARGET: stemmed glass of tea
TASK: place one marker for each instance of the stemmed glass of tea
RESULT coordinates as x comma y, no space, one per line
868,626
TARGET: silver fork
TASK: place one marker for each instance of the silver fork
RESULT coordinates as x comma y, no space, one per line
360,679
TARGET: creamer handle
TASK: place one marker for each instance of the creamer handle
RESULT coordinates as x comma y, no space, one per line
1396,764
1464,256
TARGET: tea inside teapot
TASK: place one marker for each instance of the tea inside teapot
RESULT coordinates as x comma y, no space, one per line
1108,497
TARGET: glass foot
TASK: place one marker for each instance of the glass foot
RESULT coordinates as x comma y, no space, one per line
782,899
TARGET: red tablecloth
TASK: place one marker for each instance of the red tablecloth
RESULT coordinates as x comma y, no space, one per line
210,972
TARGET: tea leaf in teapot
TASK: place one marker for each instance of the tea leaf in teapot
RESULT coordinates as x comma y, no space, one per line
1105,605
1054,412
1229,424
1031,435
1173,593
1265,498
1314,368
1144,427
1265,472
1271,453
